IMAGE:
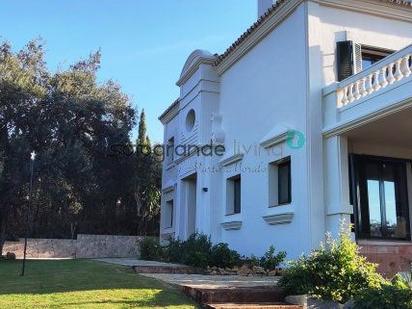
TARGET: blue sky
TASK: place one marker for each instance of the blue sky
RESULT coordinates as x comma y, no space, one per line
144,42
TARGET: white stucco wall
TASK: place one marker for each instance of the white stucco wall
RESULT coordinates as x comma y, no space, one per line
266,88
332,25
278,83
326,26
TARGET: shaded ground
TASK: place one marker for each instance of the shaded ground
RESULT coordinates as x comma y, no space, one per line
83,284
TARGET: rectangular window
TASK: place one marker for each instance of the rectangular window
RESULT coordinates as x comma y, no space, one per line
234,195
352,58
284,183
169,214
371,55
280,182
170,150
382,209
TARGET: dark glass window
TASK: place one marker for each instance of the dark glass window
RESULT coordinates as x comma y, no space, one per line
371,55
284,183
170,150
236,195
369,59
170,207
383,208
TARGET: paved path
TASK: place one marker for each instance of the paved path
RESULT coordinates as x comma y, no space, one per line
136,262
195,280
214,282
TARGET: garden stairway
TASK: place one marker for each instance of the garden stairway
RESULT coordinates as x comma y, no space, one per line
253,297
214,291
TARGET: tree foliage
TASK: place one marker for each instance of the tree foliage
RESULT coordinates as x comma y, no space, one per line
71,121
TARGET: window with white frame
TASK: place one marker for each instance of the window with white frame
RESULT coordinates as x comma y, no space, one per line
233,195
280,182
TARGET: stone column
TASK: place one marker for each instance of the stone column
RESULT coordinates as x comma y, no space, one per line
337,201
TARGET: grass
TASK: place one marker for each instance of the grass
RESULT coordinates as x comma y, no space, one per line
83,284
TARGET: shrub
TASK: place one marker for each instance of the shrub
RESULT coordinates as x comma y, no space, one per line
173,251
150,249
251,261
335,272
270,261
196,250
222,256
390,295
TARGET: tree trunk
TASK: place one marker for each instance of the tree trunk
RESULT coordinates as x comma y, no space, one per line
2,234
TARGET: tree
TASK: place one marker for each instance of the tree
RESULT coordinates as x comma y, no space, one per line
71,121
148,178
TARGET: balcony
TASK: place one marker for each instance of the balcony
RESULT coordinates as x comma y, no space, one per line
384,88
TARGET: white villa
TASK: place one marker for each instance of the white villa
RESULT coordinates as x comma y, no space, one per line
304,121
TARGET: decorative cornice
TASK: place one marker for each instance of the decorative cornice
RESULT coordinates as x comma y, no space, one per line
395,9
345,126
168,189
193,62
170,112
276,136
232,225
232,159
282,218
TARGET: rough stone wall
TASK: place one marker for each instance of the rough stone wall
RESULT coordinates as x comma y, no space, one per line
96,246
85,246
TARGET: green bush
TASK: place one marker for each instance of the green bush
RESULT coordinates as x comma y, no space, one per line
222,256
335,272
196,250
390,295
173,251
270,261
150,249
251,261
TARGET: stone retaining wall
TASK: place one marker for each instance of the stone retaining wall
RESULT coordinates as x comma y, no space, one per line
85,246
392,257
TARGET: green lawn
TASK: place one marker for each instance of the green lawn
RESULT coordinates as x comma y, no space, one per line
82,284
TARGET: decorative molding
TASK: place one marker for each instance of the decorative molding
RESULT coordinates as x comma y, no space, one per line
192,64
343,127
168,189
232,225
282,218
170,165
258,33
218,134
383,8
278,135
170,112
232,159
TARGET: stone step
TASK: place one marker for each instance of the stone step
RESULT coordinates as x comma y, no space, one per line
245,295
252,306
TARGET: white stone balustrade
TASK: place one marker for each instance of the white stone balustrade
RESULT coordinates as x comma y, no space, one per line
388,71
